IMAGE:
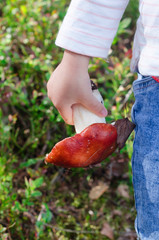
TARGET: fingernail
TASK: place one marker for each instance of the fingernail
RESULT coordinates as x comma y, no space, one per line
104,112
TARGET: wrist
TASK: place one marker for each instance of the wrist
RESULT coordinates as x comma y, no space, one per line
75,60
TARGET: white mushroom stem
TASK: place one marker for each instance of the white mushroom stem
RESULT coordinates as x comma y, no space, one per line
83,117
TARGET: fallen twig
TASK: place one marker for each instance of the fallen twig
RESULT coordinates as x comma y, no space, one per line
126,98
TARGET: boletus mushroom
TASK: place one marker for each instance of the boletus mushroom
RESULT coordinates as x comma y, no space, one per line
94,139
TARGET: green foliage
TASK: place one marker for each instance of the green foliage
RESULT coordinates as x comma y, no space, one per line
124,24
39,201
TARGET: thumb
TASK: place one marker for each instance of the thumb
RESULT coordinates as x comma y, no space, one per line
93,105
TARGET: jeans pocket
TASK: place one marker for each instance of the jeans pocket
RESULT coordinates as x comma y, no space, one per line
143,83
142,79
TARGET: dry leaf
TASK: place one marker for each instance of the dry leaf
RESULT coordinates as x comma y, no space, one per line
123,191
107,231
116,212
124,128
98,190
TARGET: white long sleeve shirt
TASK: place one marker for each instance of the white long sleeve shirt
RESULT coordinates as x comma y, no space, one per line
89,28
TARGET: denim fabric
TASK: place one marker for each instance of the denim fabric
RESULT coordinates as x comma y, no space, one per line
145,159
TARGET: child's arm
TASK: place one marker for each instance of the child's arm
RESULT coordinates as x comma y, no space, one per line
70,84
87,30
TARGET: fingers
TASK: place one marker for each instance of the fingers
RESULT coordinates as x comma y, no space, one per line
93,105
90,102
66,113
64,109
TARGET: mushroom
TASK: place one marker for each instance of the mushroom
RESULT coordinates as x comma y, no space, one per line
82,117
94,139
89,147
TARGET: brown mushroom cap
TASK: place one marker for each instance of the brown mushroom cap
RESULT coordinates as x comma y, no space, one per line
89,147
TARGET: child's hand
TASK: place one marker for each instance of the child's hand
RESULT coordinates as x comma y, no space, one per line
70,84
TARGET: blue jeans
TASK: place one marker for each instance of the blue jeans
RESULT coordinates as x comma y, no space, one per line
145,159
